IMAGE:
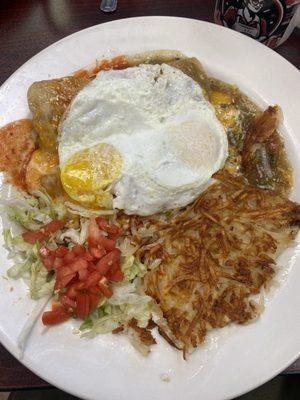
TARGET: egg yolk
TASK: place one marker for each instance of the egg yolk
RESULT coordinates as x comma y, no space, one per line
226,112
88,174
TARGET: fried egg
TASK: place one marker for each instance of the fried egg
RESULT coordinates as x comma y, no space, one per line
144,140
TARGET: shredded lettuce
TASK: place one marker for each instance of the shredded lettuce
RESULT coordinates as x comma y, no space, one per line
41,283
128,301
28,265
34,212
111,317
76,235
14,244
132,268
126,247
85,212
104,324
28,218
18,270
87,324
54,209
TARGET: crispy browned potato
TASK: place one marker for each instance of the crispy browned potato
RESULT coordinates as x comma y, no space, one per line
206,261
48,101
18,141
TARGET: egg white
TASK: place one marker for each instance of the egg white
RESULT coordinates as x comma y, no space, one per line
165,130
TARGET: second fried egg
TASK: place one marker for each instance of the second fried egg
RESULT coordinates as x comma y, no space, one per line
143,139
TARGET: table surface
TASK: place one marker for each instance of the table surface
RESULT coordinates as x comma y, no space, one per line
28,26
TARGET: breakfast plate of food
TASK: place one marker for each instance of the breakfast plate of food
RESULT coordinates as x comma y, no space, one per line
150,211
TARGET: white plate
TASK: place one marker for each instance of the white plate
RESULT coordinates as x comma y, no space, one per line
235,359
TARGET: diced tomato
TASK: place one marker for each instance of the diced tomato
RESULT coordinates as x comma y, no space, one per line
92,279
58,263
102,223
113,230
78,250
96,237
55,316
102,267
114,268
93,300
94,289
117,276
52,227
45,231
32,237
55,304
78,264
67,302
108,244
107,261
91,266
73,289
82,305
105,289
64,275
97,252
61,251
69,257
63,281
87,256
49,261
44,251
62,272
83,274
94,232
